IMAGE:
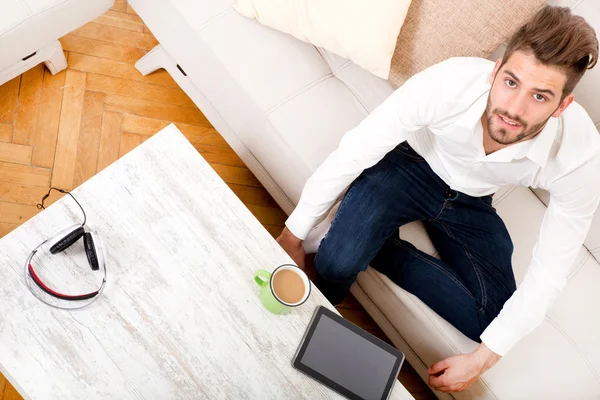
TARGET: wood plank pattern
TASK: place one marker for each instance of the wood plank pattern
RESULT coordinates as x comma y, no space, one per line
140,90
10,393
130,9
5,229
153,109
29,103
2,378
15,153
241,176
6,132
204,133
268,215
44,137
22,194
219,155
252,195
89,137
103,66
113,34
14,213
120,6
68,131
129,141
67,127
110,139
8,100
24,174
95,48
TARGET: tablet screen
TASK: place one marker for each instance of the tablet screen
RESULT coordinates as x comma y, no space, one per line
351,358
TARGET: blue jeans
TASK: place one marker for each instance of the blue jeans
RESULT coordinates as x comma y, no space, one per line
467,287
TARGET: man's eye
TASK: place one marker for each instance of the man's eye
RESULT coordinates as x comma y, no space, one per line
511,83
539,97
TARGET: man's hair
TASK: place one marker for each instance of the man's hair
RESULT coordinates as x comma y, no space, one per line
560,39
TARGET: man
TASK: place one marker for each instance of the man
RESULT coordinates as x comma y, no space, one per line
435,151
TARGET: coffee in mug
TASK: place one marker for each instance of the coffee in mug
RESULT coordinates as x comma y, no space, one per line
288,286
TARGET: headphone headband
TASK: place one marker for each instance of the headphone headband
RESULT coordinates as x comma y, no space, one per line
59,242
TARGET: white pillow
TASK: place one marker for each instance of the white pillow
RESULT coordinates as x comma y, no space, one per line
364,31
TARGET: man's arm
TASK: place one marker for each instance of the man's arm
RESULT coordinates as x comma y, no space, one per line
574,199
409,108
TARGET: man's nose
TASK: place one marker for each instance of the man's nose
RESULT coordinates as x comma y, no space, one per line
517,106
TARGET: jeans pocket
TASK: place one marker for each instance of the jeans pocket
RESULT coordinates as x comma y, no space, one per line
404,149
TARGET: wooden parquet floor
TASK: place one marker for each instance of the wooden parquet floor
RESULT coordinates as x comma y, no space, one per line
61,130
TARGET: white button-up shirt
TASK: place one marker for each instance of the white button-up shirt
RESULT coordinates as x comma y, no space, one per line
438,112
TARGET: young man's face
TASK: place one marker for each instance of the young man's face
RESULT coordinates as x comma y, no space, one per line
524,95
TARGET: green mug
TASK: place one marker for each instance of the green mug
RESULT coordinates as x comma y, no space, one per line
268,296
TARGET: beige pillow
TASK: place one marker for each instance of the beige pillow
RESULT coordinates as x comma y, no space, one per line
362,31
435,30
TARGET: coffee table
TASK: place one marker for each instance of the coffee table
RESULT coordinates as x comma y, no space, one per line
180,317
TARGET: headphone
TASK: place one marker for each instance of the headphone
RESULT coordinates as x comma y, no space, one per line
61,241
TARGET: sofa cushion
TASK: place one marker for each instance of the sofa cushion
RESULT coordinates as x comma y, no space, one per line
434,31
368,89
28,25
268,65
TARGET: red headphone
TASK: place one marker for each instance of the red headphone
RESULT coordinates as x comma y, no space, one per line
62,241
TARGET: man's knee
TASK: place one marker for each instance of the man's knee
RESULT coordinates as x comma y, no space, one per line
337,262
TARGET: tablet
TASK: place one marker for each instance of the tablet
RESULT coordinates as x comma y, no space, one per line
346,358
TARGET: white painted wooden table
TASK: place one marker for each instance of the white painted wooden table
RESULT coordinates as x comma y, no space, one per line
180,317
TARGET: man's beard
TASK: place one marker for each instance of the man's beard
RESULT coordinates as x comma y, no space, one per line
500,135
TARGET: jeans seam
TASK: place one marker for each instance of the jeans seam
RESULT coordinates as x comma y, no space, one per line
416,254
477,272
440,213
339,211
338,214
481,285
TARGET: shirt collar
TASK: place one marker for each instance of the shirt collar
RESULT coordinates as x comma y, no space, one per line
539,151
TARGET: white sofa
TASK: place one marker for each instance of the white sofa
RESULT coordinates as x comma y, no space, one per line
283,105
29,32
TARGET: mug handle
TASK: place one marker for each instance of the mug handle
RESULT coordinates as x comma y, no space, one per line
262,277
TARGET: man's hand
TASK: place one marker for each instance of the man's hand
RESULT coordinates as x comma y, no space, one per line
293,246
458,373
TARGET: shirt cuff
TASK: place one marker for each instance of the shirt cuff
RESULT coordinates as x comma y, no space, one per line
500,338
300,224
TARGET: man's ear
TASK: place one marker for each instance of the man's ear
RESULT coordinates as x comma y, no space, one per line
563,105
496,68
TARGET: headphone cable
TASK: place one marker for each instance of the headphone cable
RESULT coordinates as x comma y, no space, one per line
41,206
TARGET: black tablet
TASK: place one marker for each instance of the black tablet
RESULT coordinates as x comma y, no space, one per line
346,358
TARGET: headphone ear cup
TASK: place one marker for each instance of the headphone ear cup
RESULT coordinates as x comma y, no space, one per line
66,241
90,251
